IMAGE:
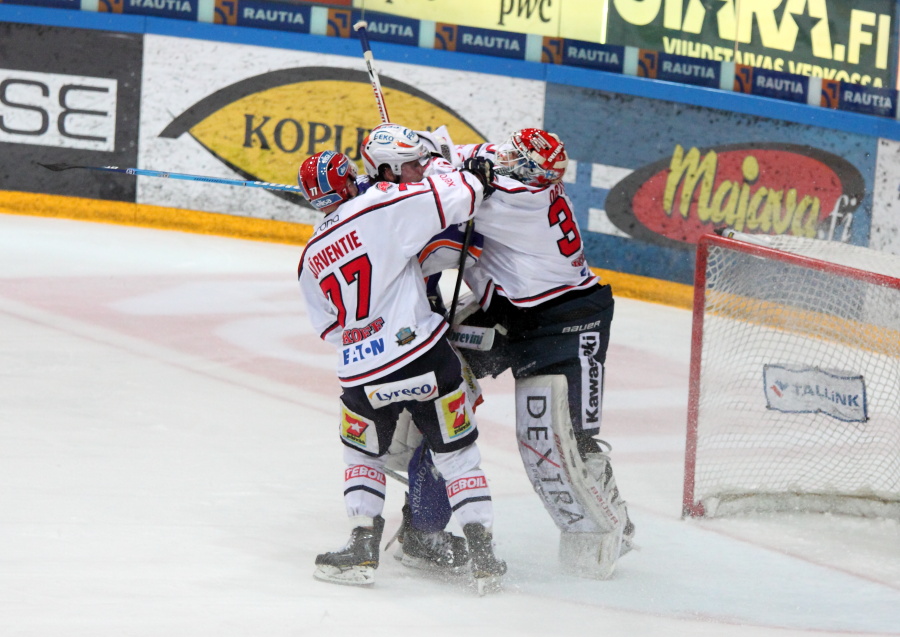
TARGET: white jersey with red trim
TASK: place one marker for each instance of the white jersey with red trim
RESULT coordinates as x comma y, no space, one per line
361,278
532,244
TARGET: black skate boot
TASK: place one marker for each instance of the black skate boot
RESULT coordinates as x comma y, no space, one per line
440,551
486,568
355,564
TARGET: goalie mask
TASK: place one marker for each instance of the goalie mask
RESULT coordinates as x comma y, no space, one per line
533,156
326,177
392,145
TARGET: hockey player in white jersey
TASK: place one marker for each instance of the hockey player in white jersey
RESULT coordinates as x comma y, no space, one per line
553,317
422,541
365,294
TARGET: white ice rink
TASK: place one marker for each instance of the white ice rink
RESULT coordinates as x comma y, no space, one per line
169,466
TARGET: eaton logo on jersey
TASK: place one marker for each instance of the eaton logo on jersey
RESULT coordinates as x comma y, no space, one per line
421,388
362,351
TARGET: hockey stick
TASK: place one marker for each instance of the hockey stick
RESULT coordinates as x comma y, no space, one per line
467,239
360,28
159,173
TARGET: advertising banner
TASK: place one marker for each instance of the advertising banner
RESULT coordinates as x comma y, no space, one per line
220,109
263,15
541,17
833,39
68,96
644,200
177,9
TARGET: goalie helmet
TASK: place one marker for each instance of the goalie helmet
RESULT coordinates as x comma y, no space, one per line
392,145
533,156
325,179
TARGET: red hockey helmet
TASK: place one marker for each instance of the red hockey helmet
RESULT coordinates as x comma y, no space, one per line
533,156
325,178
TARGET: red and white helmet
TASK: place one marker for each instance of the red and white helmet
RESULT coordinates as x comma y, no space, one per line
325,178
533,156
393,145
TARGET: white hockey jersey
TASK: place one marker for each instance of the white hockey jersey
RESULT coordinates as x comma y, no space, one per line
532,244
361,278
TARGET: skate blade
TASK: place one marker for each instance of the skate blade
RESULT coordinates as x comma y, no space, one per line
421,564
348,576
487,585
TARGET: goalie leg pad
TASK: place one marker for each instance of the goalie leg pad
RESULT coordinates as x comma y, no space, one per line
579,493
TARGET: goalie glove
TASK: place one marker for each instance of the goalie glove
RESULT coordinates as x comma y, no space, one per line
483,169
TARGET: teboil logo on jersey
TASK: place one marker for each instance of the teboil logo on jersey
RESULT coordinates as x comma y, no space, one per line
464,484
362,472
767,188
453,414
805,390
265,126
358,431
420,388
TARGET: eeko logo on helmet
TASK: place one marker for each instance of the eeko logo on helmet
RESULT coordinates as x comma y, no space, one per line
766,188
266,125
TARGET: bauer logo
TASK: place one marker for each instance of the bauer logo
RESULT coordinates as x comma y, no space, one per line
419,388
754,188
453,414
807,390
358,431
265,126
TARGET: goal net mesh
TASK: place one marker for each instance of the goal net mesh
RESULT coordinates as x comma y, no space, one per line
796,392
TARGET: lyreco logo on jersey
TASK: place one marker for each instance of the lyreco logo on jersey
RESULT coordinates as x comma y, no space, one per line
420,388
358,431
453,413
591,380
51,109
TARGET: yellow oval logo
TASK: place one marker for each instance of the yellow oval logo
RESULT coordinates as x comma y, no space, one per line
265,126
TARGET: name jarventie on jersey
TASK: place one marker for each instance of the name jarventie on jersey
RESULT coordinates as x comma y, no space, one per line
333,251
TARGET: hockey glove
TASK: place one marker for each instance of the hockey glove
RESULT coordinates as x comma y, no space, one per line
483,169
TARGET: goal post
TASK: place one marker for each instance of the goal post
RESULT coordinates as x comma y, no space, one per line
794,394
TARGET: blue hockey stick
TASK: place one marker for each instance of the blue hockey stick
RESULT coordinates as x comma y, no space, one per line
167,175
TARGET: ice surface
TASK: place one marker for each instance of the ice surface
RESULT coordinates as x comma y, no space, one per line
169,465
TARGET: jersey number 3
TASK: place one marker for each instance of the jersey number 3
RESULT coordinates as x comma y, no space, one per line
359,272
560,214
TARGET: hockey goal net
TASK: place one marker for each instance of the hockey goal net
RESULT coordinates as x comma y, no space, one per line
794,401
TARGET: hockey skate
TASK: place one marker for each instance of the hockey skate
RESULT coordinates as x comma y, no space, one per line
355,564
486,568
627,533
440,551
